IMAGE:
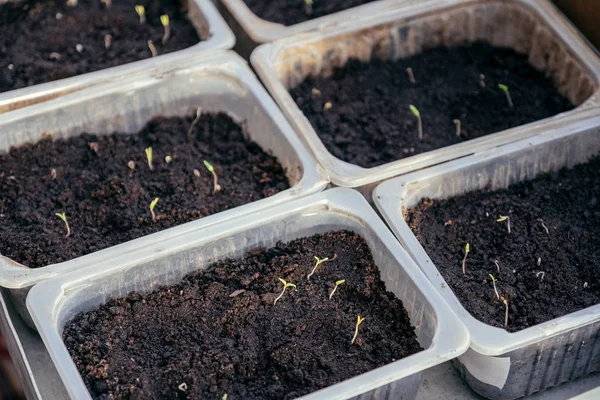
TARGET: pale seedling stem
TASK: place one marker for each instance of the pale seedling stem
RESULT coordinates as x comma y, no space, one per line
337,283
308,6
542,273
506,312
107,41
546,228
482,80
319,261
464,262
505,218
164,20
195,121
149,157
494,283
504,88
457,123
417,114
211,169
359,320
497,265
152,48
411,76
63,216
141,11
285,286
152,205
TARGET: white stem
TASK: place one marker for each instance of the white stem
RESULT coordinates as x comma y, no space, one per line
285,287
420,127
496,290
506,314
464,264
216,182
332,292
355,334
68,230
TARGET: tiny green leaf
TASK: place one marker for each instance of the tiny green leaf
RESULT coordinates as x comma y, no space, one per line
503,87
209,166
62,216
467,248
492,276
140,10
149,157
340,282
164,19
153,204
502,218
290,285
309,2
414,110
282,281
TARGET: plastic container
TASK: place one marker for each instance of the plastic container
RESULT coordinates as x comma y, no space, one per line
532,27
440,333
217,82
209,24
502,365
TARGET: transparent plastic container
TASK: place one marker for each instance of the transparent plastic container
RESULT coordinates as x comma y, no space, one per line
56,301
499,364
217,82
209,24
533,27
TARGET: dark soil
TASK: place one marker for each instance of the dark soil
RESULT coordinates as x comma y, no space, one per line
566,202
107,203
220,333
369,122
291,12
32,30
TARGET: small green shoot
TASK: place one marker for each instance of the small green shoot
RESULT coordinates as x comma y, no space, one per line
63,216
152,48
337,283
359,320
327,106
319,261
457,123
168,159
417,114
494,283
464,261
506,312
141,11
164,20
149,157
308,6
285,286
504,88
131,165
505,218
411,76
482,80
152,205
211,169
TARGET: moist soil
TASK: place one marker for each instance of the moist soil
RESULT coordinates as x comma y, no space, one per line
369,122
291,12
543,274
107,203
219,332
39,39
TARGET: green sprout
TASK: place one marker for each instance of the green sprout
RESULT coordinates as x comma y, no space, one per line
152,205
359,320
505,218
149,157
482,80
337,283
285,286
164,20
152,48
141,11
457,123
506,312
411,76
211,169
417,114
308,6
464,261
63,216
504,88
494,283
319,261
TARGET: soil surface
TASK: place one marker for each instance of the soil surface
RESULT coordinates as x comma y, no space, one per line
107,203
369,122
291,12
219,332
39,39
543,274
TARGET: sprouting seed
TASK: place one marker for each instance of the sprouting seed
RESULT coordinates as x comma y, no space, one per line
196,173
195,121
539,261
482,80
149,157
504,88
152,48
319,261
464,261
359,320
164,20
152,205
585,285
53,174
211,169
285,286
494,283
183,387
141,11
337,283
79,47
168,159
107,3
497,265
457,123
327,106
411,76
131,165
308,6
107,41
316,92
545,228
505,218
506,312
72,3
63,216
417,114
540,273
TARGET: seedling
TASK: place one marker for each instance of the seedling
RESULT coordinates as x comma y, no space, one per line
506,312
482,80
539,261
457,123
164,20
542,274
152,48
327,106
316,92
63,216
505,218
79,47
359,320
504,88
411,76
497,265
141,11
285,286
72,3
131,165
183,387
308,6
107,41
337,283
211,169
417,114
494,283
152,205
464,262
319,261
53,173
168,159
195,121
545,228
149,157
196,173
